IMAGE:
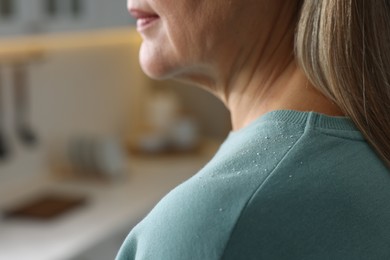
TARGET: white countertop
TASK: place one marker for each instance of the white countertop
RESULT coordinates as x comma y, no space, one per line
113,207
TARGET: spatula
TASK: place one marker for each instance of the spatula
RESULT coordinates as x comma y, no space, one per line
4,150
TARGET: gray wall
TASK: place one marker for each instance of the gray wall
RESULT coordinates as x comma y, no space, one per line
31,17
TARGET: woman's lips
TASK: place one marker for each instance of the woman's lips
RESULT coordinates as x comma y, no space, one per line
144,19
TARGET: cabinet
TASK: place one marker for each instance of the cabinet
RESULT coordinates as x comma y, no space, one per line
49,16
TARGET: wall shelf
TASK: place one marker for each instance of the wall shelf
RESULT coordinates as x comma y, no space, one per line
15,48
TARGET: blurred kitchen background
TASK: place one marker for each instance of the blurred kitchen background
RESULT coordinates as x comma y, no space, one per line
88,144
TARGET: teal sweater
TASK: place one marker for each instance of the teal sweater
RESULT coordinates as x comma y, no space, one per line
291,185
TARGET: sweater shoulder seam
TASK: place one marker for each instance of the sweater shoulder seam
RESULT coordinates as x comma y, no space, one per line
256,191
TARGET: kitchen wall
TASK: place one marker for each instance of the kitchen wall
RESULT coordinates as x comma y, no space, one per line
90,91
22,17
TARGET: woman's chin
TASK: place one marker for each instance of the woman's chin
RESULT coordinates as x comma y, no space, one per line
154,72
154,67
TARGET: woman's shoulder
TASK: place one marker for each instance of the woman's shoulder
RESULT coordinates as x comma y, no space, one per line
276,184
325,193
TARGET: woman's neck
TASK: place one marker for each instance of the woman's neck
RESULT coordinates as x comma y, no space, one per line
257,72
264,76
291,90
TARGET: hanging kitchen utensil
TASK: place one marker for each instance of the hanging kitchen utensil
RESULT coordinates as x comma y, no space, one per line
4,150
23,127
77,7
7,9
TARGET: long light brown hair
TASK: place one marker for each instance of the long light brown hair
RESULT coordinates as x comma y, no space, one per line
343,46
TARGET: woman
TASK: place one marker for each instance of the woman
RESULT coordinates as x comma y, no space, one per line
305,172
